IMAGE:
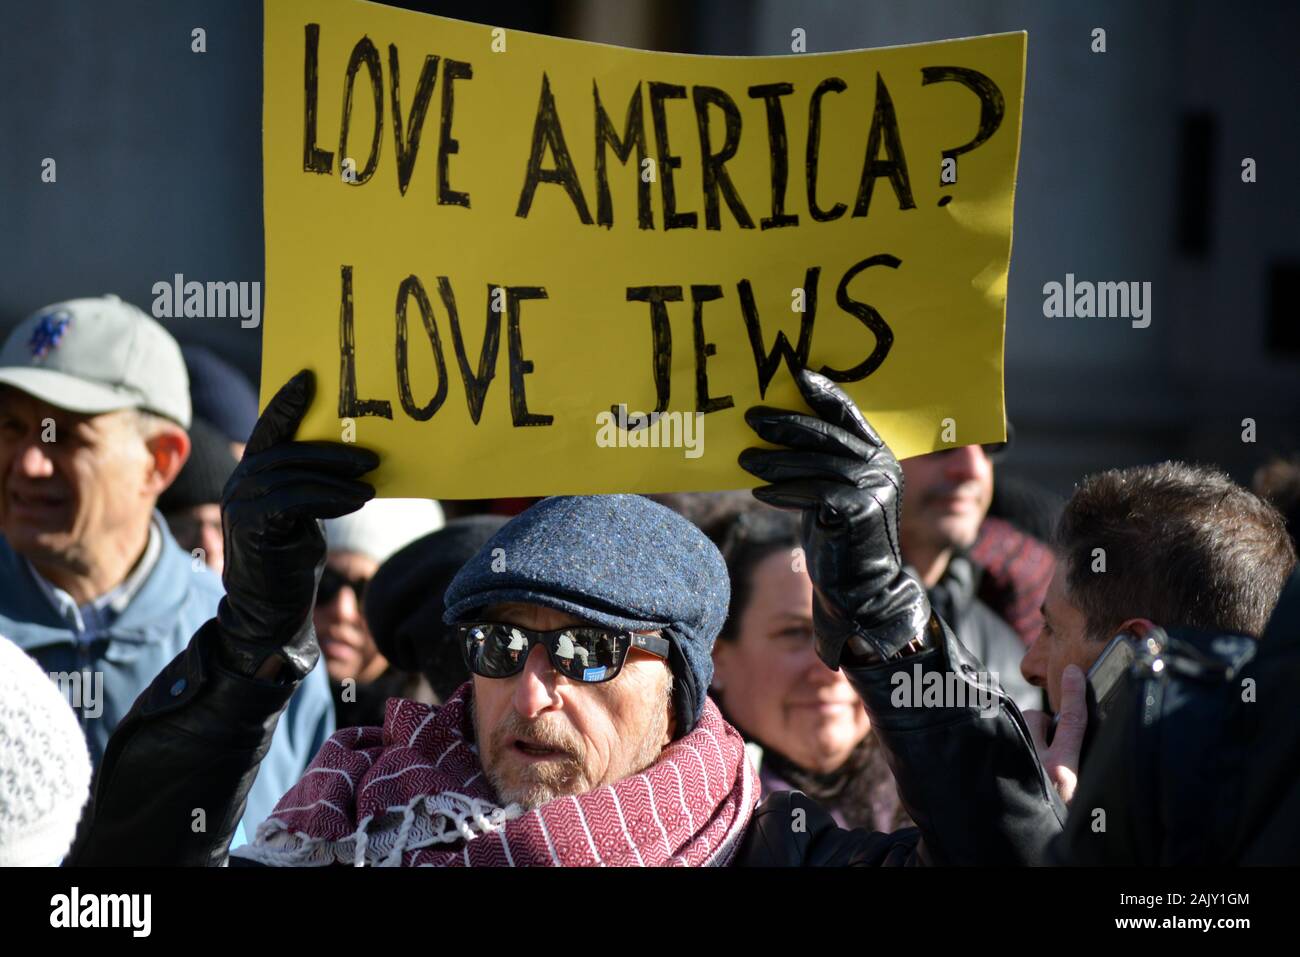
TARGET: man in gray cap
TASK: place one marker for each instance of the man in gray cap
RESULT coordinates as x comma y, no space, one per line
94,408
542,758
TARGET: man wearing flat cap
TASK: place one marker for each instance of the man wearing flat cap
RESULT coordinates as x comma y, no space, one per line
548,759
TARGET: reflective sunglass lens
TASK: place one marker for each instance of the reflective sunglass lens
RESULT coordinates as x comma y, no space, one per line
583,654
588,654
504,650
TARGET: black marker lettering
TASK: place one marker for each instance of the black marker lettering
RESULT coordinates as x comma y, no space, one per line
363,52
408,148
715,175
884,128
548,133
828,85
452,70
703,401
869,317
633,135
411,286
476,386
662,335
314,159
667,161
796,357
350,407
779,148
519,366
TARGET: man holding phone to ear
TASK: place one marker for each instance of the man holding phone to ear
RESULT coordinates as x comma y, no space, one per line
1167,546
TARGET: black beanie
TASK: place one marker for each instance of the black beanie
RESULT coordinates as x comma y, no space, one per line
205,472
404,601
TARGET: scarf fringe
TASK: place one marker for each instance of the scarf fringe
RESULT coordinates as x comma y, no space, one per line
333,816
427,820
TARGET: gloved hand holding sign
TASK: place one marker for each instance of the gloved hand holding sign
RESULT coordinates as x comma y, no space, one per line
850,487
275,548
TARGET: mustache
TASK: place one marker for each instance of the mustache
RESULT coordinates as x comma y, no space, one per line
545,733
342,631
938,493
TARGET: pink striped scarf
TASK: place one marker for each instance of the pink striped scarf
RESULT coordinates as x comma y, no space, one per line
414,794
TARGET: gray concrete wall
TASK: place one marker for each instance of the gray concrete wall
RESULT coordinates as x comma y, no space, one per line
158,152
1098,195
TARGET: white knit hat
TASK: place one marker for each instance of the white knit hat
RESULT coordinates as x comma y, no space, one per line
44,764
383,525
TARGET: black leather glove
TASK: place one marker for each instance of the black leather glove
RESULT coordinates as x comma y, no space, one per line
850,487
275,548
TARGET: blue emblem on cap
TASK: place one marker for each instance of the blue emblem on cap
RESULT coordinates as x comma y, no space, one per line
49,330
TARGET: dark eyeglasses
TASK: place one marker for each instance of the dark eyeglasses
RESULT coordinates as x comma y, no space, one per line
332,582
584,653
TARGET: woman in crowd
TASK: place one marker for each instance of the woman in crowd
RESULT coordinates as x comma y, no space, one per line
805,726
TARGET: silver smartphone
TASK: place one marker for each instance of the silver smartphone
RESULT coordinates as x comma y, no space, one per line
1106,676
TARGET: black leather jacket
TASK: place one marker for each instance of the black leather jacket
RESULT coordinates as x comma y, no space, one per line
970,780
994,642
1196,763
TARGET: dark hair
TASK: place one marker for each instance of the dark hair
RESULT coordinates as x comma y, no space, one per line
745,537
1183,546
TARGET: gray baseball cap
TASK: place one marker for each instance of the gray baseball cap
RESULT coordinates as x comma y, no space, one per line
97,355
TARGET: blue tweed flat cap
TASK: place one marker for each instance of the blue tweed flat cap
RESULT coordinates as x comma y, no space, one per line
621,561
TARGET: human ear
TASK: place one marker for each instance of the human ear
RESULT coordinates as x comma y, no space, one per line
721,664
1137,626
168,450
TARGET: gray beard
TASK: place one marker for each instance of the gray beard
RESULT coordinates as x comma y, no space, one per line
542,784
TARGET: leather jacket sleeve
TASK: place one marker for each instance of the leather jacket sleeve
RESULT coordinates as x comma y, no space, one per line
790,829
172,786
965,767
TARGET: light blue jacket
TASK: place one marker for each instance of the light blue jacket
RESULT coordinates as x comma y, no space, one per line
170,605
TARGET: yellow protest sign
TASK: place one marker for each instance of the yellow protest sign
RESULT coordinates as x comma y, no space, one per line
501,252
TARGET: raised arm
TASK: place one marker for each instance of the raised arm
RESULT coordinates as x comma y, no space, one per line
960,750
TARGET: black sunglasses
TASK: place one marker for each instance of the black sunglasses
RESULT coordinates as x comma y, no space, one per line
585,653
332,582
